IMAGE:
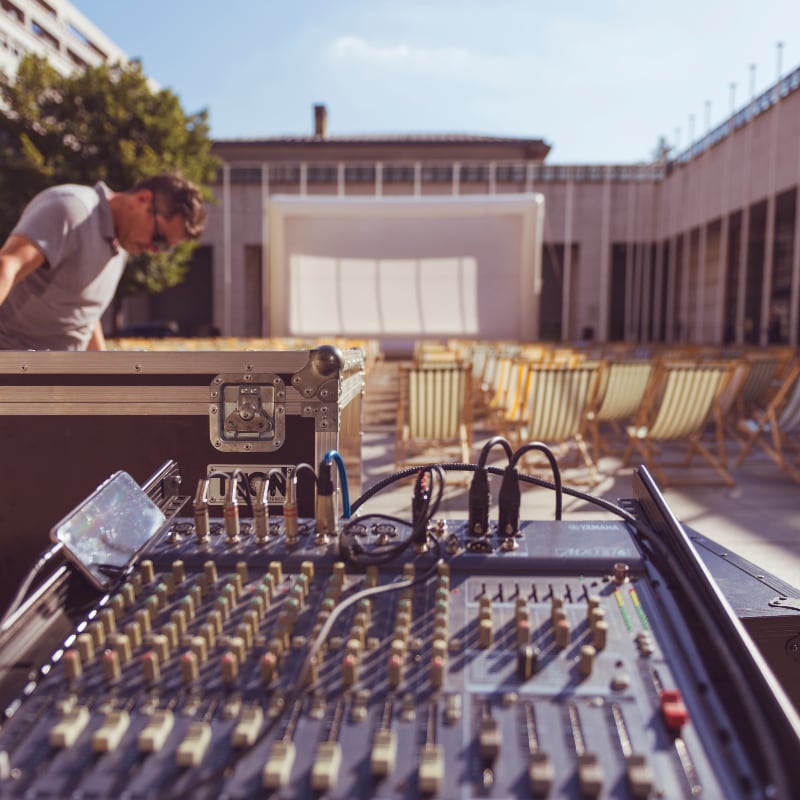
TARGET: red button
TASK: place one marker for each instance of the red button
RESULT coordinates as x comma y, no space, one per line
673,709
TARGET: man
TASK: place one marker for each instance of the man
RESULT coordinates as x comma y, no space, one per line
60,267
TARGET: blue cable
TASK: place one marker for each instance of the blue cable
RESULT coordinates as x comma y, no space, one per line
335,456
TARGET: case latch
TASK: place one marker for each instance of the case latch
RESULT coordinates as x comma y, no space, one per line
247,412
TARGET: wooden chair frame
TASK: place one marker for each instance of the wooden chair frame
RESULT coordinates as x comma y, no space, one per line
677,407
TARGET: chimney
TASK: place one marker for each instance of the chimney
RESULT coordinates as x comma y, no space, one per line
320,121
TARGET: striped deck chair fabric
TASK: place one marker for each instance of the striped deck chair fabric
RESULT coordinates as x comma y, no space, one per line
435,415
677,407
620,391
555,400
776,430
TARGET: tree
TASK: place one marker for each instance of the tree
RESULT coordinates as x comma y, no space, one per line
102,123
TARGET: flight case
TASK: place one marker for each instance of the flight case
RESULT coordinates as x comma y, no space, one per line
68,420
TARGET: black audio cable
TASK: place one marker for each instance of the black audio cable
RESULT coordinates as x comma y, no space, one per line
533,480
425,504
479,498
509,490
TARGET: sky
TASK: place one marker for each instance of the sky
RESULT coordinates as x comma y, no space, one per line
600,81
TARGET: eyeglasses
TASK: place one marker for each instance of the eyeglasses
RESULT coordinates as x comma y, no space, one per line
158,240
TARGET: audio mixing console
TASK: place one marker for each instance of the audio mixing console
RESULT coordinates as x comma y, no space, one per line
292,661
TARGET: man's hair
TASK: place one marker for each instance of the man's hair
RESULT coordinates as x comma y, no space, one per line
176,195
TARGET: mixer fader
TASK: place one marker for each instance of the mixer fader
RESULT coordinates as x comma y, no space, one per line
556,663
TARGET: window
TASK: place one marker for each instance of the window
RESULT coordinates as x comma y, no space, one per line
45,35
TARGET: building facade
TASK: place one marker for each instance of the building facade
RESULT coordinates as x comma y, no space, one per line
700,248
53,29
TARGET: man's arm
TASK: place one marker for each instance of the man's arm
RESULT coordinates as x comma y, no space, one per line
18,258
98,339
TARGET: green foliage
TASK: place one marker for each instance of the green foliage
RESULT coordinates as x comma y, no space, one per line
105,123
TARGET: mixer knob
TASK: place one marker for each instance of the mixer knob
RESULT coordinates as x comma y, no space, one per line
490,738
269,667
395,670
147,571
600,634
276,570
85,645
133,630
128,593
97,631
143,618
117,602
215,620
438,670
327,763
188,606
246,730
108,736
178,619
209,573
349,670
72,664
278,769
154,734
170,630
556,605
384,753
230,667
111,666
590,775
527,661
178,573
192,749
151,667
67,730
109,620
540,774
199,646
586,662
562,632
523,629
592,603
431,769
485,633
189,667
160,644
122,645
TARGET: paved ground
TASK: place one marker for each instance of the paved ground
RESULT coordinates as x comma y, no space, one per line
759,519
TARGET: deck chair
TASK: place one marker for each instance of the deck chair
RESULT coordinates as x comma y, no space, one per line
676,408
723,411
435,415
760,383
555,399
776,430
620,391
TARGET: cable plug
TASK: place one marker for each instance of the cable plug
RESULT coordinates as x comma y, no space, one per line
201,521
479,500
290,508
230,508
261,511
508,503
325,511
420,503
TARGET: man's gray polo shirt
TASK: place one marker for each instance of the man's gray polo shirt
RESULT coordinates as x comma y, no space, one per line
56,306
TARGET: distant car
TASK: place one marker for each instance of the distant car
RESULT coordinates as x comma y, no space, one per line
149,330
